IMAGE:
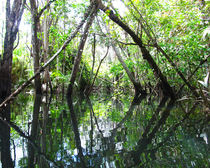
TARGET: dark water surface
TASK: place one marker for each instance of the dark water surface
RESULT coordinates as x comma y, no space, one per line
111,131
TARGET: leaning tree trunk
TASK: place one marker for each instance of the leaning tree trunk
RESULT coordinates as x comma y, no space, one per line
80,51
137,85
71,84
166,88
13,18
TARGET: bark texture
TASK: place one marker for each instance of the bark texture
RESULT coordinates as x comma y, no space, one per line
13,18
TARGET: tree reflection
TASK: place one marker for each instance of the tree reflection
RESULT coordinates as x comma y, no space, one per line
110,133
75,127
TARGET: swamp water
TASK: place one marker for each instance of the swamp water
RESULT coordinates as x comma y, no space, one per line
113,132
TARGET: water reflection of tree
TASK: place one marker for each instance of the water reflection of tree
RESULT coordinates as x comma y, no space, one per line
158,132
158,138
108,146
71,84
36,147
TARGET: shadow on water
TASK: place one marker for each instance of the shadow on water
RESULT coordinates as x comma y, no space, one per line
112,131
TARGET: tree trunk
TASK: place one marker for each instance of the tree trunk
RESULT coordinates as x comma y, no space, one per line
137,85
167,90
41,69
46,82
89,89
72,80
80,51
93,54
37,99
13,18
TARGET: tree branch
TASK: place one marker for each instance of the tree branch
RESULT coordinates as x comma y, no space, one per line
196,69
152,37
166,88
121,42
44,8
41,69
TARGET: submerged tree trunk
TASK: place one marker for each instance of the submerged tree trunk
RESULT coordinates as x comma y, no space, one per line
46,83
38,92
13,18
72,80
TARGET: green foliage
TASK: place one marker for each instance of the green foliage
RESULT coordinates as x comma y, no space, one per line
23,162
116,69
59,77
20,66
